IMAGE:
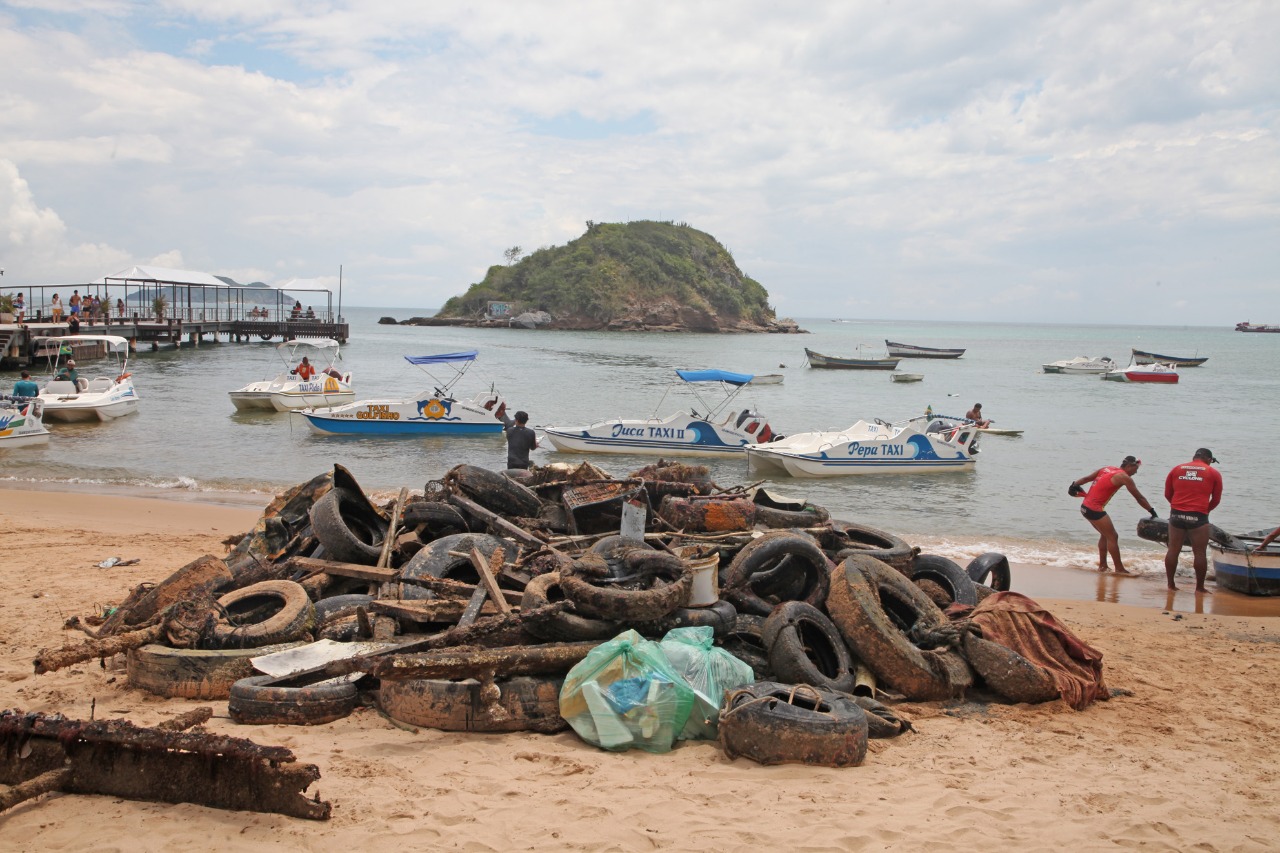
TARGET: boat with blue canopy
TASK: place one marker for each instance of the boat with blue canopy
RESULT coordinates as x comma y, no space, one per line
434,412
709,429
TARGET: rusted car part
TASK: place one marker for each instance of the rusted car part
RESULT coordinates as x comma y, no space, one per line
805,648
192,673
254,702
495,705
652,584
991,564
873,542
1008,674
776,723
494,491
780,565
955,581
116,758
595,507
878,612
201,577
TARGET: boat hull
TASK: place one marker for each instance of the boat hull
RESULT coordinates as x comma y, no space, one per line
678,435
292,401
251,401
1144,357
766,379
87,408
1247,572
907,377
20,425
867,449
898,350
427,416
817,359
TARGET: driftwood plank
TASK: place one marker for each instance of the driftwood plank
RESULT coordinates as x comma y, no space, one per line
346,570
476,662
432,610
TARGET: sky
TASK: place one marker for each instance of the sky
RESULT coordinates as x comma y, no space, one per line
1089,162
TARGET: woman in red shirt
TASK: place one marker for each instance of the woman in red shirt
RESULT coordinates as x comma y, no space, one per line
1106,482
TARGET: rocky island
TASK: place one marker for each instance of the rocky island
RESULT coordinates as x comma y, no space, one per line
633,276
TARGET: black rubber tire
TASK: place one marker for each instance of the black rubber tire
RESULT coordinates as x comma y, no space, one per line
496,492
946,574
720,617
337,606
1157,530
192,673
564,627
251,703
774,723
806,648
994,564
671,584
746,644
882,721
873,606
349,531
761,555
1008,674
607,546
435,561
433,519
874,542
262,614
527,704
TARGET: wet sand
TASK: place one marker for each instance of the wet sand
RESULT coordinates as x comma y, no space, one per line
1177,760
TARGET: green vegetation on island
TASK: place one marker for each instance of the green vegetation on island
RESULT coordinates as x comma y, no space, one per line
626,275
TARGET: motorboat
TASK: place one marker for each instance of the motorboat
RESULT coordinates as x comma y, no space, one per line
21,421
766,379
434,412
1156,372
920,444
817,359
1144,357
1257,327
906,377
913,351
1080,364
286,391
940,423
722,430
102,398
1240,567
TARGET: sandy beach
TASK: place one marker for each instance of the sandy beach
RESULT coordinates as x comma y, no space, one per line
1182,758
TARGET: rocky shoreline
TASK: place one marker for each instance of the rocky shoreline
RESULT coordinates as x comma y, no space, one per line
663,316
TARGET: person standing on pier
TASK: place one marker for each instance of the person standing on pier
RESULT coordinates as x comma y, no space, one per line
56,308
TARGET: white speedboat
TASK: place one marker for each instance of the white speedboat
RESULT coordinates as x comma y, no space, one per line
21,422
285,392
435,412
1159,373
101,398
721,430
1080,364
917,445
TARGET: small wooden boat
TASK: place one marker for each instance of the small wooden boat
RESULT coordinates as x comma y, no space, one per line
817,359
906,377
913,351
1241,568
766,379
1257,327
1144,357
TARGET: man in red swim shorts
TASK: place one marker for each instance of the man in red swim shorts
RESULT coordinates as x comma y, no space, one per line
1106,482
1193,490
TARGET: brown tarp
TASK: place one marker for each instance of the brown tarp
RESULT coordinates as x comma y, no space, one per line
1016,622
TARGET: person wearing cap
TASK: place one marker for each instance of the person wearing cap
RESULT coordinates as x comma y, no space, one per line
520,439
1193,490
68,372
1106,482
24,387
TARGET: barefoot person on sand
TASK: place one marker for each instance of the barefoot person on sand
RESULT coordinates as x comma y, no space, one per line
1193,490
1106,482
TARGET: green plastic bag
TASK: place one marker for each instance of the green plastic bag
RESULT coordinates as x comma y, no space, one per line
710,671
625,695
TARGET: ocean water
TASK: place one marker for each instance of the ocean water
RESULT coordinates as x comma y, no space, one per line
187,438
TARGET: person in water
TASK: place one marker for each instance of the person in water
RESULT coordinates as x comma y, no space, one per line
1106,482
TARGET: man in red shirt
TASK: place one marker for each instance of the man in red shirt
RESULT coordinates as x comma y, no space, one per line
1106,482
1193,489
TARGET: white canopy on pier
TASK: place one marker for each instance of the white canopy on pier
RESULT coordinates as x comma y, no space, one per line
163,275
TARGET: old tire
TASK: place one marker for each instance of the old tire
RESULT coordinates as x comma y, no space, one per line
496,492
948,575
347,528
671,584
564,627
882,721
253,703
745,642
874,607
263,613
433,519
874,542
526,703
775,723
806,648
720,617
1007,673
338,606
759,557
192,673
994,564
436,561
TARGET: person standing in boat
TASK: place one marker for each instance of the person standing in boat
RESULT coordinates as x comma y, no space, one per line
1193,490
520,439
1106,482
975,415
305,370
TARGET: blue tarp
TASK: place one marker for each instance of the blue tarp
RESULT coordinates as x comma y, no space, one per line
715,376
442,358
